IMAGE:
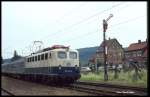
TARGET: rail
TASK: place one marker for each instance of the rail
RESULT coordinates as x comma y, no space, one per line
142,89
6,91
108,89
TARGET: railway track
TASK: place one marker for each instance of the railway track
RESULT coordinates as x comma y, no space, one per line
108,89
5,92
142,89
27,88
100,89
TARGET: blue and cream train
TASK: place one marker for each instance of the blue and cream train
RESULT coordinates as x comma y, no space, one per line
57,64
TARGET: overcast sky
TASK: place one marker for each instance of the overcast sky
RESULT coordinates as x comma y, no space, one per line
74,24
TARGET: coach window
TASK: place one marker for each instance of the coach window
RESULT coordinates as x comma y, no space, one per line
46,56
38,57
62,55
42,57
35,58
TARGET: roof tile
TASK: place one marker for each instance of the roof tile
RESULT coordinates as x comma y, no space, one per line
137,46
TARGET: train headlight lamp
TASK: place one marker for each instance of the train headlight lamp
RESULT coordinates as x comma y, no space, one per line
59,67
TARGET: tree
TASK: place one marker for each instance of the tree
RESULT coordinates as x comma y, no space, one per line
16,56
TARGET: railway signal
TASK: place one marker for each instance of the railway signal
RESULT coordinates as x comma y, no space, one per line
104,45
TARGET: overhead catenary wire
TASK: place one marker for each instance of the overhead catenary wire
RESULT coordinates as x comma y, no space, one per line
87,19
84,20
94,32
89,22
129,20
72,10
86,33
79,22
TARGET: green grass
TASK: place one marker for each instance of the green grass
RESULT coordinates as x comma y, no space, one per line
124,78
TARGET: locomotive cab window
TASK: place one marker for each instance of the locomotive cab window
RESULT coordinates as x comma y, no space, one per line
62,55
73,55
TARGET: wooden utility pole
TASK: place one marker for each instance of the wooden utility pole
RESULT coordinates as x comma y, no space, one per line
104,47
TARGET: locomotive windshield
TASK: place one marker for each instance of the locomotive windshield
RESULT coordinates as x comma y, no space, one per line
73,55
62,55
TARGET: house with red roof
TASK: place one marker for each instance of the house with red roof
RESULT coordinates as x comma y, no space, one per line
136,52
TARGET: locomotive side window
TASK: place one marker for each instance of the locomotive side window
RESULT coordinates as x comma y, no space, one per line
49,55
30,59
73,55
62,55
38,57
42,57
46,56
35,58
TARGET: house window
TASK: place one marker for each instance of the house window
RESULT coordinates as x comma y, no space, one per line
120,54
134,54
127,55
139,53
130,54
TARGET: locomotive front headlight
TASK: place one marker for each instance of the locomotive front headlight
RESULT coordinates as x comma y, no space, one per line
59,67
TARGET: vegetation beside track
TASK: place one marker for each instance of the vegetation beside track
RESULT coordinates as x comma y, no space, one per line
124,78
